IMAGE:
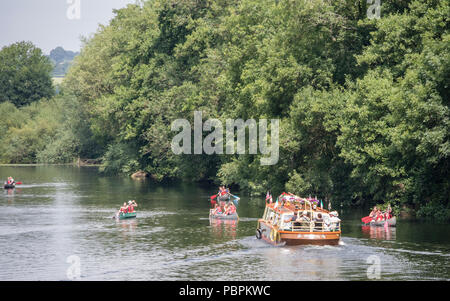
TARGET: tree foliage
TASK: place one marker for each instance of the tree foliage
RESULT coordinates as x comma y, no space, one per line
24,74
363,103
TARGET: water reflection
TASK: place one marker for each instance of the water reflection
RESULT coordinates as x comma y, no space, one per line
223,228
127,226
304,262
379,233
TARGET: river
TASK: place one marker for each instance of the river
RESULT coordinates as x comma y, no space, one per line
58,225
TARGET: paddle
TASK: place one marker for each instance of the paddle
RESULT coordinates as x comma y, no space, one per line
18,183
366,219
236,199
213,197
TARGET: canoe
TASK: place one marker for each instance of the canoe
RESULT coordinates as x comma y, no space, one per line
9,186
233,216
127,215
391,222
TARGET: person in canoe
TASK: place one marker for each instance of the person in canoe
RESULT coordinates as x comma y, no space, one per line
230,209
123,209
372,216
10,181
379,216
131,205
388,213
217,210
223,196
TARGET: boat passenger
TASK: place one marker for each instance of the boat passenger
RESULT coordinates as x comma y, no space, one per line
217,210
304,219
230,209
334,221
373,213
289,221
318,221
379,216
10,181
326,222
388,214
123,209
226,209
131,205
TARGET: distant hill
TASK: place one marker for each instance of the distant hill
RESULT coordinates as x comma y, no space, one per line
61,60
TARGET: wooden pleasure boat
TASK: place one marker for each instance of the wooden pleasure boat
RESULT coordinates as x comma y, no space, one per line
298,221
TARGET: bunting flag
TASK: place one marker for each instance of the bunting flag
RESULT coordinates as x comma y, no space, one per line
269,197
276,204
321,204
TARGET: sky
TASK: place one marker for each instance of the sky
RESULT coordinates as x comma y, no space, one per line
52,23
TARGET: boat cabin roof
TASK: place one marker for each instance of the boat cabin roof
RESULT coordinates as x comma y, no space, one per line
294,208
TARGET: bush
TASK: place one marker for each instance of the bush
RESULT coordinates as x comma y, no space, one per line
120,158
434,211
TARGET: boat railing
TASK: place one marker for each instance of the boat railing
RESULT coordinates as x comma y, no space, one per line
314,226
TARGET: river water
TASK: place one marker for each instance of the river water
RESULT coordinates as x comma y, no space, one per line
58,226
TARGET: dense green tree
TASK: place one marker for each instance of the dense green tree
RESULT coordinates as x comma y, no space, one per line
25,74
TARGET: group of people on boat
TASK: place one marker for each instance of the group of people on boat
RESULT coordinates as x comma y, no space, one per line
127,208
377,215
227,209
320,221
221,196
223,205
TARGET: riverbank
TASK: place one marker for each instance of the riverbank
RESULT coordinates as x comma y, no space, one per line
79,162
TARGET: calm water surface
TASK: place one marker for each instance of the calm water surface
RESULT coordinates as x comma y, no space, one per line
62,211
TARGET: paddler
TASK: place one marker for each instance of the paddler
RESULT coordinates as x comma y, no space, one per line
123,209
131,205
10,181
